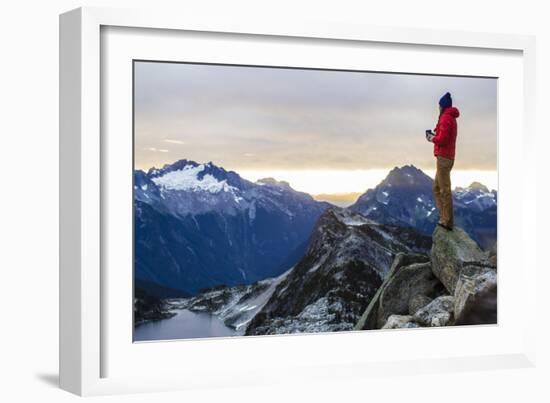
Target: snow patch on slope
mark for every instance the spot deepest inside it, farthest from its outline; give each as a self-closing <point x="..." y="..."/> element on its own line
<point x="350" y="218"/>
<point x="187" y="179"/>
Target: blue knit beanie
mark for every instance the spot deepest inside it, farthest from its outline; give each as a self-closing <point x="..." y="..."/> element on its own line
<point x="446" y="101"/>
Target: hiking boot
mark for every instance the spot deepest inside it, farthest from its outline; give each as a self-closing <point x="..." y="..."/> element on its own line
<point x="448" y="228"/>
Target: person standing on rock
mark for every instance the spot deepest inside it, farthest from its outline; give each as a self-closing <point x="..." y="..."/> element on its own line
<point x="444" y="140"/>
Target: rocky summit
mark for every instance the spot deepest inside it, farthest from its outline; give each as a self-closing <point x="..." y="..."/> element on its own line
<point x="347" y="260"/>
<point x="457" y="285"/>
<point x="451" y="250"/>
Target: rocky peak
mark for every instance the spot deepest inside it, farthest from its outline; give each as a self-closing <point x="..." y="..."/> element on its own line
<point x="337" y="224"/>
<point x="346" y="261"/>
<point x="407" y="175"/>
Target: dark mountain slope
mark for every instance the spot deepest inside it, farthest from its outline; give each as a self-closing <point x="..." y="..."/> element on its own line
<point x="198" y="226"/>
<point x="329" y="288"/>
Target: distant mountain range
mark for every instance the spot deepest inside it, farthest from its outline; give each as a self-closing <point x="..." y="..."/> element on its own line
<point x="405" y="198"/>
<point x="198" y="226"/>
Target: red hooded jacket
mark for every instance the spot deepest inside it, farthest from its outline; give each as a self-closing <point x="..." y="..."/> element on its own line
<point x="445" y="134"/>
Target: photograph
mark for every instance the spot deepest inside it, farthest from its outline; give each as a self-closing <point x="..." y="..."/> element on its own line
<point x="277" y="200"/>
<point x="212" y="201"/>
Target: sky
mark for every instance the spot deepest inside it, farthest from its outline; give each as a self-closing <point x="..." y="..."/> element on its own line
<point x="323" y="131"/>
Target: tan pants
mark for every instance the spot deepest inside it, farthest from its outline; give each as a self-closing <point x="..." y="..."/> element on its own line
<point x="442" y="191"/>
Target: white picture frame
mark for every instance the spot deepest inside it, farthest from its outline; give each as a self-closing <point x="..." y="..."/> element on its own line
<point x="85" y="344"/>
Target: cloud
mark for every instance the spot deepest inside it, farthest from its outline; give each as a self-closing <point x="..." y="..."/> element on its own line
<point x="305" y="119"/>
<point x="174" y="141"/>
<point x="157" y="150"/>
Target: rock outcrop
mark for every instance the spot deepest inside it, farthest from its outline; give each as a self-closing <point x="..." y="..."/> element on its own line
<point x="148" y="308"/>
<point x="450" y="251"/>
<point x="400" y="322"/>
<point x="378" y="311"/>
<point x="438" y="312"/>
<point x="417" y="302"/>
<point x="456" y="286"/>
<point x="476" y="296"/>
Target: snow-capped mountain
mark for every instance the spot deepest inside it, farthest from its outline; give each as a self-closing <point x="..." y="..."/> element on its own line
<point x="198" y="225"/>
<point x="187" y="187"/>
<point x="206" y="188"/>
<point x="405" y="198"/>
<point x="476" y="197"/>
<point x="347" y="259"/>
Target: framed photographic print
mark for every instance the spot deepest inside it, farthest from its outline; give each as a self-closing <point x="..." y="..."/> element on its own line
<point x="263" y="201"/>
<point x="237" y="197"/>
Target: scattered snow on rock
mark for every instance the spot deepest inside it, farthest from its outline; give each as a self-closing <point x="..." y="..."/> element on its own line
<point x="350" y="218"/>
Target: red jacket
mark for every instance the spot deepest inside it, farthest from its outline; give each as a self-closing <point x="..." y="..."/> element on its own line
<point x="445" y="134"/>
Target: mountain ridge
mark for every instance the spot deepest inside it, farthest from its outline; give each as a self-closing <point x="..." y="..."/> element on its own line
<point x="405" y="198"/>
<point x="191" y="216"/>
<point x="348" y="257"/>
<point x="198" y="225"/>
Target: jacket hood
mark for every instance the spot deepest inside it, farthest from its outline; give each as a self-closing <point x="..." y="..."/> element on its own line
<point x="454" y="112"/>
